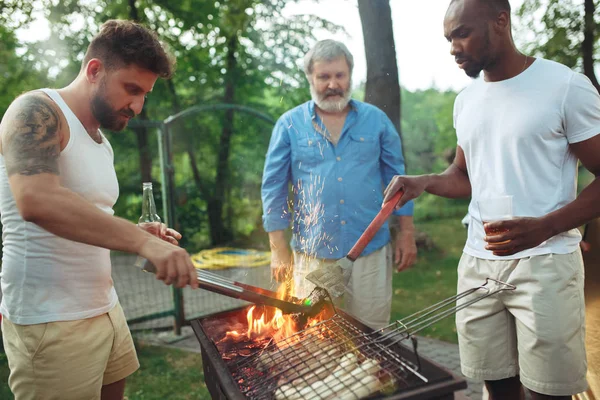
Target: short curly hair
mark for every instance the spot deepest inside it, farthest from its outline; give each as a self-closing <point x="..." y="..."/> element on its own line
<point x="122" y="43"/>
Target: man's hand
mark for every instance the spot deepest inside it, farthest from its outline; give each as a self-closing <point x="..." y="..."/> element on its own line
<point x="281" y="257"/>
<point x="173" y="264"/>
<point x="281" y="264"/>
<point x="515" y="235"/>
<point x="405" y="249"/>
<point x="161" y="231"/>
<point x="413" y="187"/>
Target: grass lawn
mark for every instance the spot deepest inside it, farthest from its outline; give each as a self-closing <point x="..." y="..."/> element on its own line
<point x="174" y="374"/>
<point x="167" y="374"/>
<point x="5" y="392"/>
<point x="433" y="277"/>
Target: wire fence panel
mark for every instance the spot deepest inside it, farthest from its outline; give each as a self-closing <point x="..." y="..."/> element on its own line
<point x="141" y="294"/>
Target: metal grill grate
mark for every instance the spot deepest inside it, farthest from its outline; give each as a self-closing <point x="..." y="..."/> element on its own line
<point x="332" y="359"/>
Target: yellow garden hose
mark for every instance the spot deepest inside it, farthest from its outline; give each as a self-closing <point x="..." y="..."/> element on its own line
<point x="228" y="257"/>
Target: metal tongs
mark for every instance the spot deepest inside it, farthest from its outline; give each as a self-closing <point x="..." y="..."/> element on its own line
<point x="237" y="290"/>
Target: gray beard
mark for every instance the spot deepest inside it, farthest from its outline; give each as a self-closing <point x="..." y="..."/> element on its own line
<point x="331" y="105"/>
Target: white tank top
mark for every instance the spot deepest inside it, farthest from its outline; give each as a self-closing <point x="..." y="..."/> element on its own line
<point x="47" y="278"/>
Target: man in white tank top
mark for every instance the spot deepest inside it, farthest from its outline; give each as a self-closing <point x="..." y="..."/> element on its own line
<point x="521" y="130"/>
<point x="64" y="331"/>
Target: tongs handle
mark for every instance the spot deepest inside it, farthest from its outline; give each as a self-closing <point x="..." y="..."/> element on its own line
<point x="374" y="226"/>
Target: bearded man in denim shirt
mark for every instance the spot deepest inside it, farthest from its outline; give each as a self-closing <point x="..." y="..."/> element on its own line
<point x="338" y="154"/>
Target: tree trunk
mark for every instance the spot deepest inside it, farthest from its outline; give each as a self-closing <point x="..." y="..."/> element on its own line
<point x="133" y="12"/>
<point x="587" y="45"/>
<point x="383" y="85"/>
<point x="222" y="233"/>
<point x="141" y="132"/>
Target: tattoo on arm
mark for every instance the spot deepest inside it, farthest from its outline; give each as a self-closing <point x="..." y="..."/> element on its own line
<point x="32" y="143"/>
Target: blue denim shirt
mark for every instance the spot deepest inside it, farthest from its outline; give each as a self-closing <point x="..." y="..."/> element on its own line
<point x="337" y="190"/>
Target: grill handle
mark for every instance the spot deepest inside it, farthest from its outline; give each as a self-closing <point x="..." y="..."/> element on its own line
<point x="374" y="226"/>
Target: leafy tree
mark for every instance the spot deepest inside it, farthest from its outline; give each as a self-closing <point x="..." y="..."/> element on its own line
<point x="17" y="69"/>
<point x="239" y="51"/>
<point x="566" y="32"/>
<point x="428" y="132"/>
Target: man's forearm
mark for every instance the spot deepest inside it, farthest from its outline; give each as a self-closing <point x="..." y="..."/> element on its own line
<point x="583" y="209"/>
<point x="452" y="183"/>
<point x="278" y="242"/>
<point x="281" y="256"/>
<point x="68" y="215"/>
<point x="402" y="223"/>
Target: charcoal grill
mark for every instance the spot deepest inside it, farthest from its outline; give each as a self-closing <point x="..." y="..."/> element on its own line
<point x="337" y="358"/>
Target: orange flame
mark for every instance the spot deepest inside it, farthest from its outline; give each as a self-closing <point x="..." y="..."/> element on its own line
<point x="279" y="326"/>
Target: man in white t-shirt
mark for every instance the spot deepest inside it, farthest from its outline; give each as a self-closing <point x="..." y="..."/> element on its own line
<point x="521" y="130"/>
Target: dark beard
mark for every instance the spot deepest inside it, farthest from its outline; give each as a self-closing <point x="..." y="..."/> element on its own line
<point x="475" y="70"/>
<point x="486" y="61"/>
<point x="108" y="117"/>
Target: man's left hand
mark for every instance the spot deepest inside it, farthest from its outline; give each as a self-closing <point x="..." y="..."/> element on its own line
<point x="162" y="231"/>
<point x="515" y="235"/>
<point x="405" y="250"/>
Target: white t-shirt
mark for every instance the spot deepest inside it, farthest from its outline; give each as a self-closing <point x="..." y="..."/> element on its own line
<point x="515" y="135"/>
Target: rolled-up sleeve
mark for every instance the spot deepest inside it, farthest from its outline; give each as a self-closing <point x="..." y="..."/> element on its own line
<point x="276" y="178"/>
<point x="392" y="160"/>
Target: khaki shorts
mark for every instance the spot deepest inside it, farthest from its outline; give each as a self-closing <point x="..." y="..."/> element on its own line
<point x="68" y="359"/>
<point x="536" y="331"/>
<point x="368" y="296"/>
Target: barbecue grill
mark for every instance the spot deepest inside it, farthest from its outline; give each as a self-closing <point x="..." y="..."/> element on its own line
<point x="337" y="357"/>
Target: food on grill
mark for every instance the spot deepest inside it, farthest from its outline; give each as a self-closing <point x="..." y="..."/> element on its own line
<point x="292" y="353"/>
<point x="367" y="386"/>
<point x="315" y="367"/>
<point x="357" y="383"/>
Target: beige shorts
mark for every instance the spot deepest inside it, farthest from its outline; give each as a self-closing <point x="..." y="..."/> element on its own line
<point x="368" y="296"/>
<point x="536" y="331"/>
<point x="68" y="359"/>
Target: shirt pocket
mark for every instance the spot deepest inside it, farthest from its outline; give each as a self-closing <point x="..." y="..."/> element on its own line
<point x="365" y="147"/>
<point x="310" y="153"/>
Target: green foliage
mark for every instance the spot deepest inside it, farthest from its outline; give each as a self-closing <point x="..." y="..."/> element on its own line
<point x="15" y="13"/>
<point x="552" y="29"/>
<point x="430" y="208"/>
<point x="427" y="129"/>
<point x="5" y="392"/>
<point x="17" y="69"/>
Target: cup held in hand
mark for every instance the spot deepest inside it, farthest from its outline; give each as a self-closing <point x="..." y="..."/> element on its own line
<point x="494" y="208"/>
